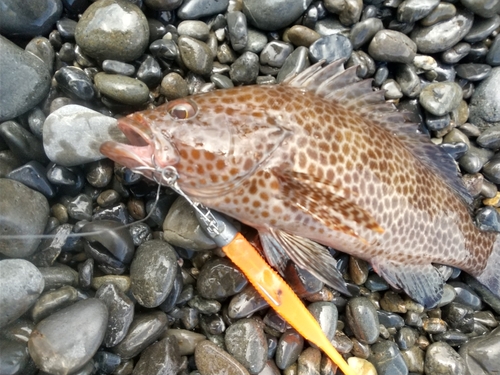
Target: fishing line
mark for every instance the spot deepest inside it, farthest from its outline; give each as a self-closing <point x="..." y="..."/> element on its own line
<point x="168" y="174"/>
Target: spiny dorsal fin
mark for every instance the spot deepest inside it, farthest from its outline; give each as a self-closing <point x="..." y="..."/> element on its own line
<point x="343" y="87"/>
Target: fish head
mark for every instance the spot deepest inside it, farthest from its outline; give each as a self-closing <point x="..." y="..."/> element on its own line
<point x="214" y="141"/>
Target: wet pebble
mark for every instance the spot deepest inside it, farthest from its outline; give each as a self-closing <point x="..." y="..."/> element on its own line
<point x="26" y="86"/>
<point x="473" y="72"/>
<point x="362" y="318"/>
<point x="30" y="19"/>
<point x="195" y="29"/>
<point x="275" y="53"/>
<point x="219" y="279"/>
<point x="29" y="220"/>
<point x="21" y="283"/>
<point x="441" y="358"/>
<point x="443" y="35"/>
<point x="440" y="98"/>
<point x="67" y="339"/>
<point x="493" y="56"/>
<point x="330" y="48"/>
<point x="33" y="175"/>
<point x="483" y="8"/>
<point x="238" y="31"/>
<point x="262" y="13"/>
<point x="301" y="36"/>
<point x="245" y="68"/>
<point x="327" y="315"/>
<point x="160" y="358"/>
<point x="387" y="359"/>
<point x="245" y="303"/>
<point x="490" y="138"/>
<point x="485" y="103"/>
<point x="364" y="31"/>
<point x="173" y="86"/>
<point x="480" y="354"/>
<point x="491" y="169"/>
<point x="392" y="46"/>
<point x="456" y="53"/>
<point x="196" y="55"/>
<point x="144" y="330"/>
<point x="22" y="143"/>
<point x="309" y="362"/>
<point x="74" y="82"/>
<point x="289" y="348"/>
<point x="212" y="360"/>
<point x="194" y="9"/>
<point x="101" y="37"/>
<point x="246" y="342"/>
<point x="149" y="71"/>
<point x="410" y="11"/>
<point x="122" y="89"/>
<point x="74" y="125"/>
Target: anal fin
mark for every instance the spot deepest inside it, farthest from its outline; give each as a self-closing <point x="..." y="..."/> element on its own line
<point x="422" y="282"/>
<point x="306" y="253"/>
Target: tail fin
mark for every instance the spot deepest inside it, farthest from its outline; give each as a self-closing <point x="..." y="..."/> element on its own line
<point x="490" y="277"/>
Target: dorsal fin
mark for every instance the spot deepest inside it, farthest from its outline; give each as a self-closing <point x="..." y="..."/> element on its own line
<point x="343" y="87"/>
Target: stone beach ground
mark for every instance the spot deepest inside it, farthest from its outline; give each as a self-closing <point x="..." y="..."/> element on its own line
<point x="156" y="297"/>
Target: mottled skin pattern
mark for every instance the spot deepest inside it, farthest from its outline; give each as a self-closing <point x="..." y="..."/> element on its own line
<point x="255" y="152"/>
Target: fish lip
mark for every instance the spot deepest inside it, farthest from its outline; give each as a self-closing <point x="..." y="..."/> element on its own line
<point x="138" y="154"/>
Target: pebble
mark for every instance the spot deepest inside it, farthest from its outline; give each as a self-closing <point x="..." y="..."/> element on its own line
<point x="362" y="317"/>
<point x="387" y="359"/>
<point x="364" y="31"/>
<point x="238" y="31"/>
<point x="29" y="19"/>
<point x="256" y="41"/>
<point x="493" y="56"/>
<point x="186" y="340"/>
<point x="483" y="8"/>
<point x="118" y="67"/>
<point x="194" y="9"/>
<point x="196" y="55"/>
<point x="149" y="71"/>
<point x="485" y="103"/>
<point x="73" y="125"/>
<point x="21" y="283"/>
<point x="67" y="339"/>
<point x="441" y="97"/>
<point x="53" y="301"/>
<point x="443" y="35"/>
<point x="29" y="220"/>
<point x="101" y="37"/>
<point x="33" y="175"/>
<point x="22" y="143"/>
<point x="41" y="47"/>
<point x="330" y="48"/>
<point x="491" y="169"/>
<point x="152" y="272"/>
<point x="262" y="13"/>
<point x="275" y="53"/>
<point x="441" y="358"/>
<point x="296" y="62"/>
<point x="160" y="358"/>
<point x="246" y="342"/>
<point x="29" y="78"/>
<point x="289" y="348"/>
<point x="456" y="53"/>
<point x="181" y="228"/>
<point x="392" y="46"/>
<point x="123" y="89"/>
<point x="195" y="29"/>
<point x="300" y="35"/>
<point x="490" y="138"/>
<point x="143" y="331"/>
<point x="327" y="315"/>
<point x="219" y="279"/>
<point x="444" y="11"/>
<point x="349" y="11"/>
<point x="212" y="360"/>
<point x="245" y="68"/>
<point x="245" y="303"/>
<point x="482" y="28"/>
<point x="410" y="11"/>
<point x="480" y="354"/>
<point x="473" y="72"/>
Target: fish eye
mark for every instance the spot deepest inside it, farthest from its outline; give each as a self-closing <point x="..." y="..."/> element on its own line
<point x="182" y="109"/>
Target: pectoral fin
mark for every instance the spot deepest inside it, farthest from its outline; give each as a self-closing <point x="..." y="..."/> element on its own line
<point x="326" y="203"/>
<point x="422" y="282"/>
<point x="305" y="253"/>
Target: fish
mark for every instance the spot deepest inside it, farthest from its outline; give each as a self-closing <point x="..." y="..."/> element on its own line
<point x="320" y="161"/>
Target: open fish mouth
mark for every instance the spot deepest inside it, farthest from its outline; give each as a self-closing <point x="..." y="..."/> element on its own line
<point x="139" y="153"/>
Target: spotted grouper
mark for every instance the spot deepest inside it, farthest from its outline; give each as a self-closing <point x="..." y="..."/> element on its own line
<point x="320" y="159"/>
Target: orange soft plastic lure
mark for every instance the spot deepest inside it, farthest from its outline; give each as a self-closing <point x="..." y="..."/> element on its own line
<point x="268" y="283"/>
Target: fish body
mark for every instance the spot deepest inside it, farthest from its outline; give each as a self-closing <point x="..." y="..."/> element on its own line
<point x="321" y="159"/>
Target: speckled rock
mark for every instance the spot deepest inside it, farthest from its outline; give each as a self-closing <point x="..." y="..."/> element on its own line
<point x="21" y="283"/>
<point x="73" y="134"/>
<point x="485" y="102"/>
<point x="15" y="221"/>
<point x="113" y="29"/>
<point x="212" y="360"/>
<point x="27" y="81"/>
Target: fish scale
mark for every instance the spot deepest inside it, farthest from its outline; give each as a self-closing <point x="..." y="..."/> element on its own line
<point x="321" y="158"/>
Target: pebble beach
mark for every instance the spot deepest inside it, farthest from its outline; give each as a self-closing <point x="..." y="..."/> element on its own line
<point x="146" y="291"/>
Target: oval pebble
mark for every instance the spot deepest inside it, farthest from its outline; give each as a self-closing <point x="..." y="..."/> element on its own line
<point x="72" y="135"/>
<point x="262" y="14"/>
<point x="441" y="97"/>
<point x="121" y="88"/>
<point x="219" y="278"/>
<point x="212" y="360"/>
<point x="67" y="339"/>
<point x="102" y="36"/>
<point x="362" y="318"/>
<point x="24" y="212"/>
<point x="21" y="283"/>
<point x="441" y="358"/>
<point x="392" y="46"/>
